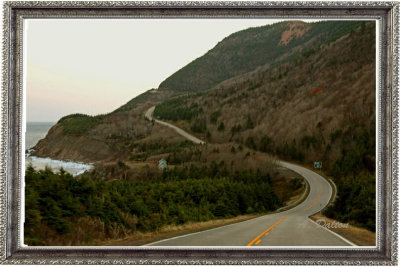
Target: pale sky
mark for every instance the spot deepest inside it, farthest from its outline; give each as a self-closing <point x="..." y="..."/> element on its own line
<point x="93" y="66"/>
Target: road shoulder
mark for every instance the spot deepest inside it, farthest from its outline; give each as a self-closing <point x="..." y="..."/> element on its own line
<point x="356" y="235"/>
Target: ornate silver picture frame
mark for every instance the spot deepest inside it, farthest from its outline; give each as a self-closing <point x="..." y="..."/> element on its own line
<point x="12" y="250"/>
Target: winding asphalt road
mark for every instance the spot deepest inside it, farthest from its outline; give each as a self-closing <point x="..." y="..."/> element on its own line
<point x="287" y="228"/>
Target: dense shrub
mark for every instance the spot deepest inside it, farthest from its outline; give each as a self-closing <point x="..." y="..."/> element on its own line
<point x="356" y="201"/>
<point x="354" y="174"/>
<point x="78" y="124"/>
<point x="176" y="109"/>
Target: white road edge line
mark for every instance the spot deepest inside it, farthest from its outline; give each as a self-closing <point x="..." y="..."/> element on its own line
<point x="195" y="233"/>
<point x="341" y="237"/>
<point x="325" y="180"/>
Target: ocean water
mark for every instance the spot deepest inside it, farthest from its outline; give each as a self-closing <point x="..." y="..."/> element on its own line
<point x="38" y="130"/>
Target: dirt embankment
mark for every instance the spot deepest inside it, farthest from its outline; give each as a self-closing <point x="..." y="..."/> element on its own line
<point x="296" y="30"/>
<point x="57" y="145"/>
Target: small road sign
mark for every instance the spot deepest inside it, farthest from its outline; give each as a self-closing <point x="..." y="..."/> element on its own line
<point x="318" y="164"/>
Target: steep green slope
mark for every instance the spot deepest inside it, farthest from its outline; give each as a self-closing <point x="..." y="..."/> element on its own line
<point x="246" y="50"/>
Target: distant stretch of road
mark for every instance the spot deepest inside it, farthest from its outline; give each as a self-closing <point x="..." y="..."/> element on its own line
<point x="287" y="228"/>
<point x="149" y="116"/>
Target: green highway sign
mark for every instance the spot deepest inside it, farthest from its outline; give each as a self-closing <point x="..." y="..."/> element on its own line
<point x="318" y="164"/>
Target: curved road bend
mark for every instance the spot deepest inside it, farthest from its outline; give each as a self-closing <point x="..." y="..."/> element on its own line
<point x="287" y="228"/>
<point x="149" y="116"/>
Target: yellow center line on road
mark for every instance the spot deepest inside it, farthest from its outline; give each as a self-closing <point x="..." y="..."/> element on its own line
<point x="266" y="232"/>
<point x="318" y="197"/>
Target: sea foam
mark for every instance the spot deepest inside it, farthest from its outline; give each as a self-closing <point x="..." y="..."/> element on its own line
<point x="75" y="168"/>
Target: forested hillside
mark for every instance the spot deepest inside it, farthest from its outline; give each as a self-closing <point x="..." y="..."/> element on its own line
<point x="317" y="103"/>
<point x="320" y="106"/>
